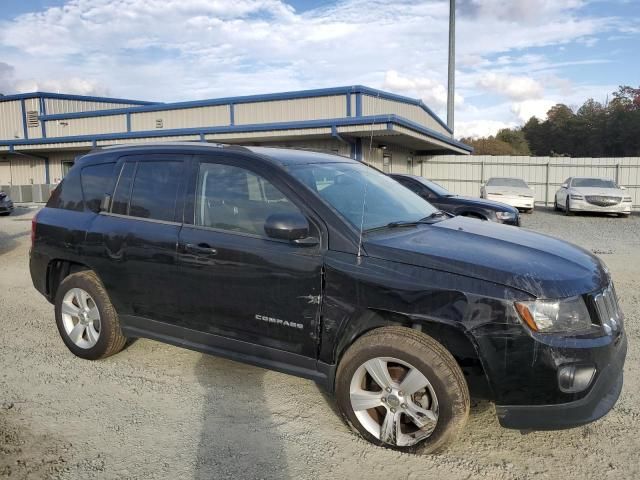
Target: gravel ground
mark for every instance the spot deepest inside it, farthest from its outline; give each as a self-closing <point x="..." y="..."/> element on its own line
<point x="157" y="411"/>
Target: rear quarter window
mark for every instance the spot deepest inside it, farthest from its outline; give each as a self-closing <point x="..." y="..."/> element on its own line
<point x="96" y="182"/>
<point x="68" y="194"/>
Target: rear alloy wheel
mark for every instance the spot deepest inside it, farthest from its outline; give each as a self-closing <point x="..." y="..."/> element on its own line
<point x="401" y="389"/>
<point x="86" y="320"/>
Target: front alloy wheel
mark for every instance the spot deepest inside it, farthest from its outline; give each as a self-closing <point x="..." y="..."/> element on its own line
<point x="394" y="401"/>
<point x="401" y="389"/>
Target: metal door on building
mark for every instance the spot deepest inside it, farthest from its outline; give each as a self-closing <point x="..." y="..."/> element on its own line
<point x="386" y="163"/>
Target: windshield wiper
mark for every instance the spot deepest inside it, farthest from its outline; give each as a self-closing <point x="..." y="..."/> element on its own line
<point x="402" y="223"/>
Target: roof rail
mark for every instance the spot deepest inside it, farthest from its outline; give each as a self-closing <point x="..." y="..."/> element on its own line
<point x="184" y="143"/>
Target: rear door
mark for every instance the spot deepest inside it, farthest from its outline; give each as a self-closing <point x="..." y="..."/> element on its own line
<point x="133" y="244"/>
<point x="236" y="281"/>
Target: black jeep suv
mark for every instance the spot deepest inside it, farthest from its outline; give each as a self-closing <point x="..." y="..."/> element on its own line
<point x="319" y="266"/>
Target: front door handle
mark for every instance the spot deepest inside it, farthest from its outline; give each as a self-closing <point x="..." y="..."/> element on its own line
<point x="201" y="249"/>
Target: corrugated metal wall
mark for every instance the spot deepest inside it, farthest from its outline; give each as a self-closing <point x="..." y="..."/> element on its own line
<point x="182" y="118"/>
<point x="465" y="175"/>
<point x="380" y="106"/>
<point x="11" y="120"/>
<point x="54" y="106"/>
<point x="86" y="126"/>
<point x="5" y="172"/>
<point x="334" y="106"/>
<point x="27" y="171"/>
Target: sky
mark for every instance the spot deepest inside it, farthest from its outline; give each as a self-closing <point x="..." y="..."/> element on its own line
<point x="514" y="58"/>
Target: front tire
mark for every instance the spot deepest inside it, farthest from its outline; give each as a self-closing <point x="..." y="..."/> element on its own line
<point x="567" y="208"/>
<point x="401" y="389"/>
<point x="556" y="207"/>
<point x="86" y="319"/>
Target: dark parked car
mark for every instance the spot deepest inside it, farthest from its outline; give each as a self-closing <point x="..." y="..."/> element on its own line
<point x="6" y="204"/>
<point x="442" y="198"/>
<point x="322" y="267"/>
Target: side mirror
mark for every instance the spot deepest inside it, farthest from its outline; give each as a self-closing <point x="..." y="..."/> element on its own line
<point x="564" y="185"/>
<point x="287" y="226"/>
<point x="622" y="188"/>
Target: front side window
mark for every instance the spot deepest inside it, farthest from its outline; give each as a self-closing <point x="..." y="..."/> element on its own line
<point x="236" y="199"/>
<point x="363" y="195"/>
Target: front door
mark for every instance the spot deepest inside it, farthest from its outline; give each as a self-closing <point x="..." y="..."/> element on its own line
<point x="236" y="281"/>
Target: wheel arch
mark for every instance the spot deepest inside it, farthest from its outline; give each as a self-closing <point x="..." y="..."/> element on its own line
<point x="450" y="335"/>
<point x="57" y="270"/>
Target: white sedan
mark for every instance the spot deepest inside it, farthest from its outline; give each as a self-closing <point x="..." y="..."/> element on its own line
<point x="512" y="191"/>
<point x="587" y="194"/>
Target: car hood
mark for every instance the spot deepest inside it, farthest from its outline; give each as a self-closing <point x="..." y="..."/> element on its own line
<point x="609" y="192"/>
<point x="542" y="266"/>
<point x="485" y="203"/>
<point x="510" y="190"/>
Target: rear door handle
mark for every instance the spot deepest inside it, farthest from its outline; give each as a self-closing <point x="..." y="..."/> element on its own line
<point x="201" y="249"/>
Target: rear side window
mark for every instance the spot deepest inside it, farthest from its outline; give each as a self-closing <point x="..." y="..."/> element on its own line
<point x="120" y="202"/>
<point x="155" y="189"/>
<point x="68" y="195"/>
<point x="96" y="181"/>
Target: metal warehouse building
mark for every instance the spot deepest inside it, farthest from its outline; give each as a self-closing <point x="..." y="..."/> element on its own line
<point x="42" y="133"/>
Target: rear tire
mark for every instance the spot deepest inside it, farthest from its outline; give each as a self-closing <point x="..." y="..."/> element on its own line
<point x="86" y="319"/>
<point x="427" y="416"/>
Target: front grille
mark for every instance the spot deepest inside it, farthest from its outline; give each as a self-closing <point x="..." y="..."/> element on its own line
<point x="607" y="308"/>
<point x="602" y="200"/>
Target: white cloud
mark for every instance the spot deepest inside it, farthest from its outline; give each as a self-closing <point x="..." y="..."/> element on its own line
<point x="532" y="108"/>
<point x="430" y="91"/>
<point x="514" y="87"/>
<point x="481" y="128"/>
<point x="186" y="49"/>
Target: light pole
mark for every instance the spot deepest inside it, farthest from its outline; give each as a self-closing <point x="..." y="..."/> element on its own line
<point x="451" y="87"/>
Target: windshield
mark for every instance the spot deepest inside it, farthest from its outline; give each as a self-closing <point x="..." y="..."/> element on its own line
<point x="343" y="187"/>
<point x="593" y="182"/>
<point x="435" y="188"/>
<point x="507" y="182"/>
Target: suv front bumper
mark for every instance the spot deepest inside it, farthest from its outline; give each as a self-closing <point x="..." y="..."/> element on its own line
<point x="595" y="404"/>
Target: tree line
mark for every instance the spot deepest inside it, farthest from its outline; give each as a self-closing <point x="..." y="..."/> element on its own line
<point x="611" y="129"/>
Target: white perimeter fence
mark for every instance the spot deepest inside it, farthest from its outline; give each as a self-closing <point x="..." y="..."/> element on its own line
<point x="465" y="175"/>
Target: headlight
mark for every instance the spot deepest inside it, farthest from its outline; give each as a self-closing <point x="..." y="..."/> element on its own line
<point x="505" y="215"/>
<point x="569" y="315"/>
<point x="576" y="197"/>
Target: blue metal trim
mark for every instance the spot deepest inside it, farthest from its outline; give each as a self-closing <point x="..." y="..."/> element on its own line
<point x="128" y="121"/>
<point x="359" y="149"/>
<point x="368" y="120"/>
<point x="43" y="111"/>
<point x="46" y="170"/>
<point x="389" y="126"/>
<point x="358" y="90"/>
<point x="24" y="120"/>
<point x="348" y="104"/>
<point x="142" y="106"/>
<point x="358" y="104"/>
<point x="232" y="114"/>
<point x="66" y="96"/>
<point x="202" y="139"/>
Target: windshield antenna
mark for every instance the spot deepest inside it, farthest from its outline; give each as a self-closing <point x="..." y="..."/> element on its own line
<point x="364" y="196"/>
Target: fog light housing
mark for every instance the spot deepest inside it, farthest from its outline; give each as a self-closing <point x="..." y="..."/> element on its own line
<point x="575" y="378"/>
